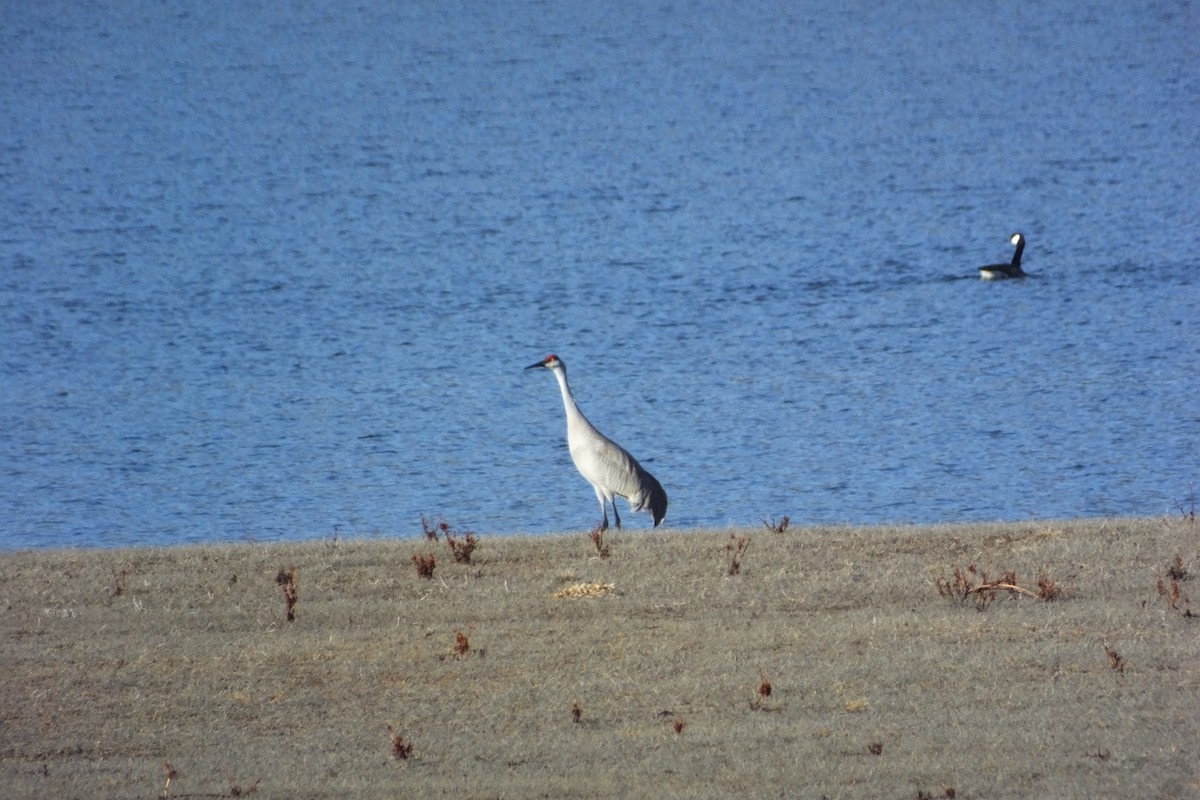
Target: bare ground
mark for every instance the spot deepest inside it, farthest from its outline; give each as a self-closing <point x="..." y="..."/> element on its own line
<point x="837" y="662"/>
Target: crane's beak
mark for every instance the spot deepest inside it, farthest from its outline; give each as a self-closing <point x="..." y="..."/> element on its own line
<point x="538" y="364"/>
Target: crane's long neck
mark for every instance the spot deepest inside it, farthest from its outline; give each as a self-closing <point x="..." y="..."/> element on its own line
<point x="574" y="415"/>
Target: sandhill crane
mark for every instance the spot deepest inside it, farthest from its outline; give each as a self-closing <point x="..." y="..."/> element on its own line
<point x="610" y="470"/>
<point x="1010" y="270"/>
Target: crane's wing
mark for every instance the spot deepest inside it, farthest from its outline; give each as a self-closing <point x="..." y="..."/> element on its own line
<point x="609" y="466"/>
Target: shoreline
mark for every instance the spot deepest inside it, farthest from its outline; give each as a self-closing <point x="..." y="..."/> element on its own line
<point x="836" y="661"/>
<point x="638" y="528"/>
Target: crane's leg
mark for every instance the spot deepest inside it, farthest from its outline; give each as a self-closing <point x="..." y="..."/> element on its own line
<point x="604" y="509"/>
<point x="615" y="514"/>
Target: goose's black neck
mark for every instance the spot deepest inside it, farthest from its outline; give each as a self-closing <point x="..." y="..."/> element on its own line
<point x="1016" y="259"/>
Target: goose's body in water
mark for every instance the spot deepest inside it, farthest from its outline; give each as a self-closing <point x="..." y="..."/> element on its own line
<point x="1010" y="270"/>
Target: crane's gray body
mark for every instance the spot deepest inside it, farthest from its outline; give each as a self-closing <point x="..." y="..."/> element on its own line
<point x="607" y="466"/>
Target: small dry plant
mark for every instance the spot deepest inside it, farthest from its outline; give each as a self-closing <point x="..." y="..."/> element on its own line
<point x="1170" y="591"/>
<point x="960" y="585"/>
<point x="763" y="693"/>
<point x="1176" y="570"/>
<point x="1049" y="590"/>
<point x="947" y="792"/>
<point x="1187" y="508"/>
<point x="431" y="531"/>
<point x="461" y="548"/>
<point x="291" y="593"/>
<point x="973" y="583"/>
<point x="678" y="725"/>
<point x="462" y="645"/>
<point x="425" y="565"/>
<point x="1176" y="600"/>
<point x="335" y="538"/>
<point x="401" y="750"/>
<point x="736" y="548"/>
<point x="237" y="790"/>
<point x="576" y="712"/>
<point x="596" y="535"/>
<point x="171" y="774"/>
<point x="1115" y="662"/>
<point x="777" y="527"/>
<point x="461" y="544"/>
<point x="119" y="582"/>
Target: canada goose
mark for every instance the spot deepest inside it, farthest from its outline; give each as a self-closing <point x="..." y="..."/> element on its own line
<point x="1010" y="270"/>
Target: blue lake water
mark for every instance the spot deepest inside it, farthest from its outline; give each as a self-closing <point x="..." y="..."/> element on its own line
<point x="274" y="270"/>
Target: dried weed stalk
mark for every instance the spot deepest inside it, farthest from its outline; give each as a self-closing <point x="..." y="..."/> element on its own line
<point x="959" y="587"/>
<point x="777" y="527"/>
<point x="737" y="549"/>
<point x="425" y="565"/>
<point x="431" y="531"/>
<point x="462" y="645"/>
<point x="236" y="790"/>
<point x="947" y="791"/>
<point x="1188" y="511"/>
<point x="1115" y="662"/>
<point x="763" y="692"/>
<point x="119" y="582"/>
<point x="172" y="774"/>
<point x="461" y="545"/>
<point x="576" y="712"/>
<point x="1176" y="600"/>
<point x="401" y="749"/>
<point x="461" y="549"/>
<point x="1049" y="590"/>
<point x="678" y="725"/>
<point x="291" y="593"/>
<point x="973" y="583"/>
<point x="596" y="535"/>
<point x="1176" y="571"/>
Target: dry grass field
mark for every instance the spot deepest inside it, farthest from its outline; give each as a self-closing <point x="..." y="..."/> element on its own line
<point x="1040" y="659"/>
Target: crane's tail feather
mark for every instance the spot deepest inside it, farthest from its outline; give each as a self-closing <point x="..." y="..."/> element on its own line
<point x="653" y="497"/>
<point x="658" y="503"/>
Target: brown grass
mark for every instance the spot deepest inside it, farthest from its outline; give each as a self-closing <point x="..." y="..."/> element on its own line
<point x="878" y="687"/>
